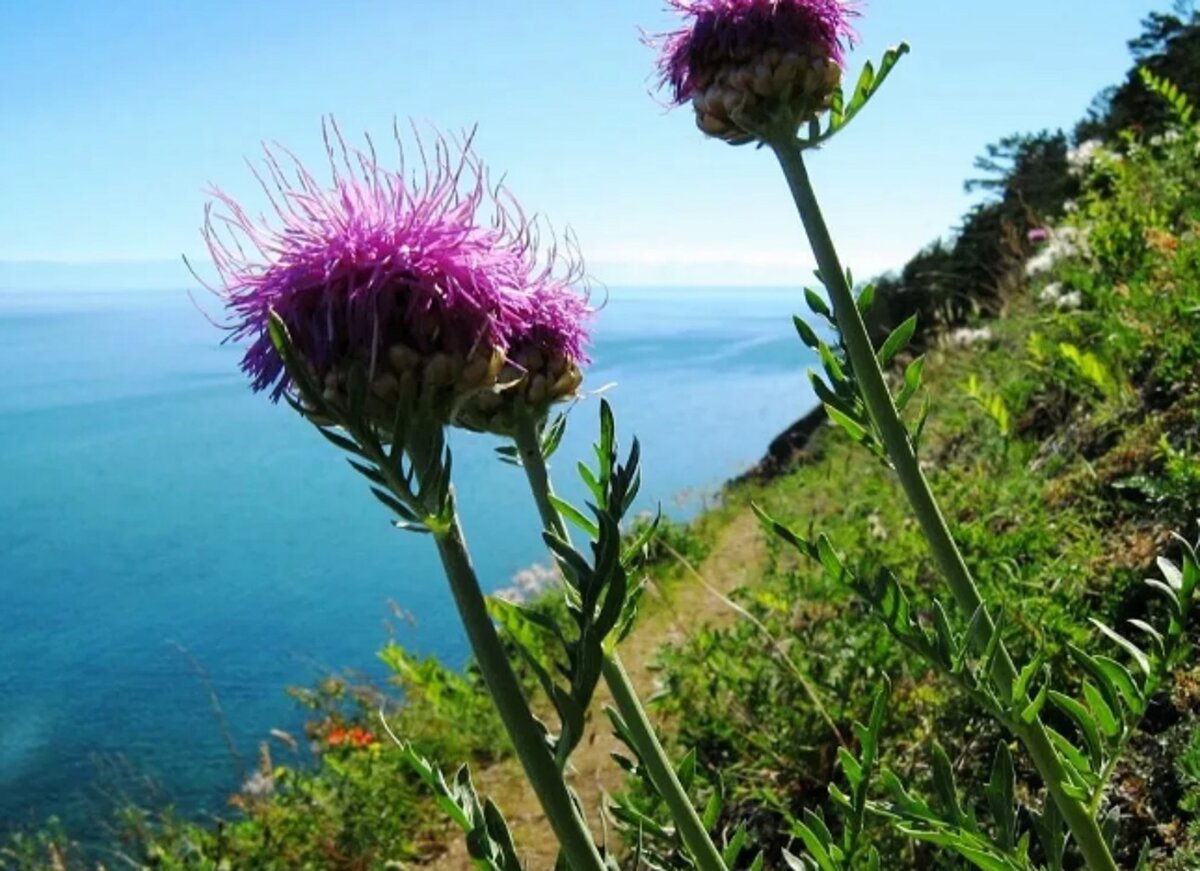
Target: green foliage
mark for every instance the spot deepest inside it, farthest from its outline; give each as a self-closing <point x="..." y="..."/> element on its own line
<point x="1061" y="466"/>
<point x="601" y="597"/>
<point x="1168" y="47"/>
<point x="846" y="106"/>
<point x="992" y="403"/>
<point x="1088" y="458"/>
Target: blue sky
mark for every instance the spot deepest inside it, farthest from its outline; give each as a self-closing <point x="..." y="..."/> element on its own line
<point x="115" y="115"/>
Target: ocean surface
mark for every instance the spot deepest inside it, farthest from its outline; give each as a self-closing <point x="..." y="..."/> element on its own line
<point x="164" y="532"/>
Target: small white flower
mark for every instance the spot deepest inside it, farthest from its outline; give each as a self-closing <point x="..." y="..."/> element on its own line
<point x="1170" y="137"/>
<point x="1080" y="160"/>
<point x="1064" y="243"/>
<point x="965" y="337"/>
<point x="258" y="785"/>
<point x="528" y="584"/>
<point x="1071" y="300"/>
<point x="1058" y="296"/>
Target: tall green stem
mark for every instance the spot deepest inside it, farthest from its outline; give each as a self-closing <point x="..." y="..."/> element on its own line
<point x="649" y="748"/>
<point x="527" y="738"/>
<point x="896" y="441"/>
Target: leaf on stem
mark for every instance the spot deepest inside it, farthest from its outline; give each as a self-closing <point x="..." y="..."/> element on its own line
<point x="897" y="342"/>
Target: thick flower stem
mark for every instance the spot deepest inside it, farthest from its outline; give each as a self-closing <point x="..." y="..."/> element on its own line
<point x="658" y="765"/>
<point x="527" y="738"/>
<point x="560" y="807"/>
<point x="896" y="441"/>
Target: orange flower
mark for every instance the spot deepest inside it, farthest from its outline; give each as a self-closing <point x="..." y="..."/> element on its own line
<point x="360" y="737"/>
<point x="337" y="736"/>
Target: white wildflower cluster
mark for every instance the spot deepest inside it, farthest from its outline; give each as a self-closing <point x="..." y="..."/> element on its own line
<point x="1081" y="158"/>
<point x="1063" y="243"/>
<point x="968" y="337"/>
<point x="1062" y="298"/>
<point x="258" y="785"/>
<point x="529" y="583"/>
<point x="1170" y="137"/>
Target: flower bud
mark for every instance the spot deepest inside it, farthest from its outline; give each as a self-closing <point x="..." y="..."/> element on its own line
<point x="756" y="69"/>
<point x="403" y="358"/>
<point x="386" y="386"/>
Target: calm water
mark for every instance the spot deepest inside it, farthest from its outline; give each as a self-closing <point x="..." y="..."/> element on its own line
<point x="149" y="502"/>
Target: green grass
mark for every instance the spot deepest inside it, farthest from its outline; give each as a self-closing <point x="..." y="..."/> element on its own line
<point x="1064" y="452"/>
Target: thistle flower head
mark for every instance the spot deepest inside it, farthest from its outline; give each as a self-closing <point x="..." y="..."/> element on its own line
<point x="426" y="282"/>
<point x="753" y="67"/>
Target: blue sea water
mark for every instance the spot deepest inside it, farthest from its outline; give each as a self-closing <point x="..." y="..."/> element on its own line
<point x="156" y="518"/>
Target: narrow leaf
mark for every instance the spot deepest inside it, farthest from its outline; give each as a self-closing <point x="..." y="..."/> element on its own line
<point x="1132" y="649"/>
<point x="817" y="304"/>
<point x="574" y="515"/>
<point x="866" y="299"/>
<point x="897" y="341"/>
<point x="1001" y="789"/>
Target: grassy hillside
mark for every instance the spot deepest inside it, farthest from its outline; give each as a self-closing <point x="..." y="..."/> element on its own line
<point x="1064" y="442"/>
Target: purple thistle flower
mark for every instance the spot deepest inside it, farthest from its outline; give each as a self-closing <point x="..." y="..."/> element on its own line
<point x="382" y="268"/>
<point x="749" y="65"/>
